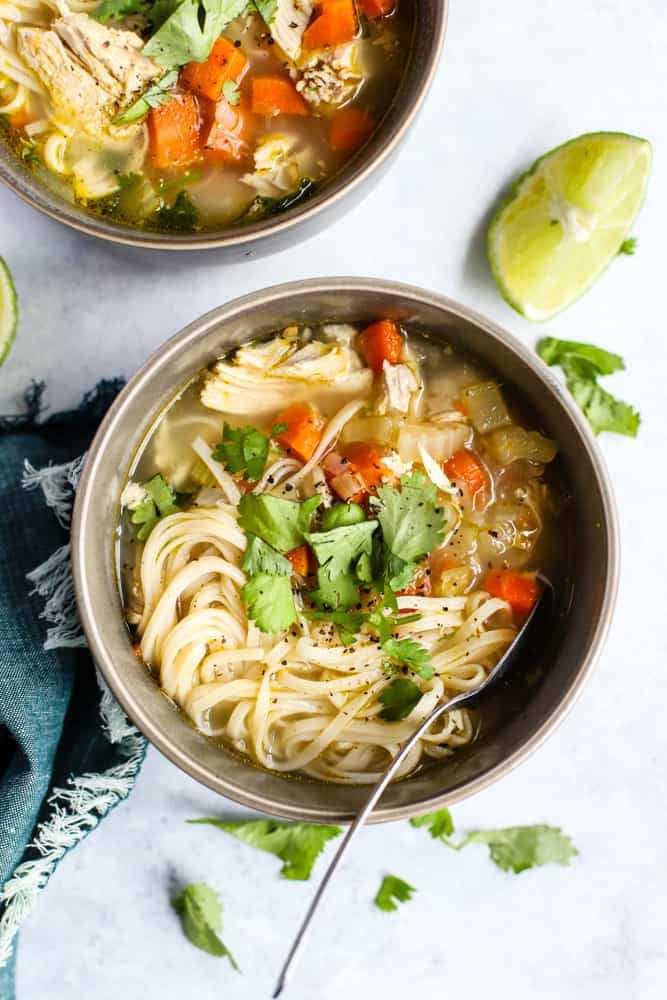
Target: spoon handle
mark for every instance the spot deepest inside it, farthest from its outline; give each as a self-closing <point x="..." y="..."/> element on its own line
<point x="370" y="804"/>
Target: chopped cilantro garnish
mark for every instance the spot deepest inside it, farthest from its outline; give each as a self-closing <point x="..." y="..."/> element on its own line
<point x="262" y="207"/>
<point x="412" y="654"/>
<point x="231" y="92"/>
<point x="110" y="10"/>
<point x="582" y="364"/>
<point x="182" y="216"/>
<point x="159" y="502"/>
<point x="341" y="564"/>
<point x="190" y="31"/>
<point x="158" y="93"/>
<point x="200" y="911"/>
<point x="281" y="523"/>
<point x="296" y="844"/>
<point x="261" y="558"/>
<point x="243" y="449"/>
<point x="391" y="891"/>
<point x="399" y="699"/>
<point x="412" y="525"/>
<point x="270" y="602"/>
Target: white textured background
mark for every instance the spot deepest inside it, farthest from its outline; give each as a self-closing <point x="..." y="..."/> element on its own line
<point x="516" y="80"/>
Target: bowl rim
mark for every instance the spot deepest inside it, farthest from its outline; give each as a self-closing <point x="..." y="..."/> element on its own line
<point x="361" y="167"/>
<point x="82" y="523"/>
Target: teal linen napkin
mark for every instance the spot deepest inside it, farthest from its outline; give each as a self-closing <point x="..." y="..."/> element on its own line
<point x="67" y="753"/>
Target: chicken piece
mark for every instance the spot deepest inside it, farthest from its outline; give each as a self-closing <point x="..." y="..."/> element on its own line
<point x="277" y="170"/>
<point x="331" y="76"/>
<point x="400" y="383"/>
<point x="90" y="72"/>
<point x="288" y="24"/>
<point x="112" y="57"/>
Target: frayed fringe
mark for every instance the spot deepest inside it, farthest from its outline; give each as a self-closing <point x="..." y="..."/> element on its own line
<point x="77" y="810"/>
<point x="52" y="580"/>
<point x="58" y="483"/>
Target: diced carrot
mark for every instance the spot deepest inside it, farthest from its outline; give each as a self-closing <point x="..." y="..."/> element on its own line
<point x="466" y="468"/>
<point x="20" y="119"/>
<point x="226" y="130"/>
<point x="304" y="429"/>
<point x="337" y="23"/>
<point x="380" y="342"/>
<point x="173" y="129"/>
<point x="366" y="461"/>
<point x="275" y="95"/>
<point x="376" y="8"/>
<point x="225" y="62"/>
<point x="300" y="559"/>
<point x="520" y="590"/>
<point x="349" y="129"/>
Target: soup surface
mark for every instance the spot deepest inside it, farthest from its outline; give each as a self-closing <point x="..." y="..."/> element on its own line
<point x="193" y="115"/>
<point x="326" y="534"/>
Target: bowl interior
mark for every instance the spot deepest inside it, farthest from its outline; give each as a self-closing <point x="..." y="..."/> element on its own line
<point x="540" y="689"/>
<point x="427" y="36"/>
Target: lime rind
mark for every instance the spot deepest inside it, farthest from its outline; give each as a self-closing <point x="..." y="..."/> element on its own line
<point x="519" y="191"/>
<point x="9" y="312"/>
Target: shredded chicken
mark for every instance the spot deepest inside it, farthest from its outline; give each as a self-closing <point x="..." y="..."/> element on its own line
<point x="91" y="72"/>
<point x="330" y="76"/>
<point x="277" y="170"/>
<point x="400" y="383"/>
<point x="133" y="495"/>
<point x="288" y="24"/>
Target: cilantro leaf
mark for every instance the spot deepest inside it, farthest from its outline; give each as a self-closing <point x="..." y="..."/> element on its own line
<point x="518" y="848"/>
<point x="338" y="554"/>
<point x="231" y="92"/>
<point x="182" y="216"/>
<point x="412" y="524"/>
<point x="581" y="365"/>
<point x="412" y="654"/>
<point x="113" y="10"/>
<point x="281" y="523"/>
<point x="160" y="501"/>
<point x="270" y="602"/>
<point x="261" y="558"/>
<point x="262" y="206"/>
<point x="267" y="9"/>
<point x="296" y="844"/>
<point x="200" y="911"/>
<point x="391" y="889"/>
<point x="628" y="246"/>
<point x="439" y="824"/>
<point x="158" y="93"/>
<point x="243" y="449"/>
<point x="189" y="33"/>
<point x="399" y="699"/>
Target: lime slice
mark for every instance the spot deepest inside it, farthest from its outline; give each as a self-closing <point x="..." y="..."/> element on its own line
<point x="566" y="220"/>
<point x="9" y="311"/>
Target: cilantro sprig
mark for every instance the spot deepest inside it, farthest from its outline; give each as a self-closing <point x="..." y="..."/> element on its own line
<point x="399" y="699"/>
<point x="582" y="365"/>
<point x="343" y="555"/>
<point x="160" y="500"/>
<point x="157" y="94"/>
<point x="281" y="523"/>
<point x="393" y="890"/>
<point x="412" y="525"/>
<point x="200" y="911"/>
<point x="191" y="29"/>
<point x="243" y="449"/>
<point x="298" y="845"/>
<point x="512" y="848"/>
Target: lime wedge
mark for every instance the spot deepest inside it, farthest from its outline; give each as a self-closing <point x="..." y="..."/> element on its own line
<point x="566" y="220"/>
<point x="9" y="311"/>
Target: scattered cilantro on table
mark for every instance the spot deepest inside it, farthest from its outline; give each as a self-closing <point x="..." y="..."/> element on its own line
<point x="513" y="848"/>
<point x="582" y="364"/>
<point x="629" y="246"/>
<point x="393" y="890"/>
<point x="200" y="911"/>
<point x="296" y="844"/>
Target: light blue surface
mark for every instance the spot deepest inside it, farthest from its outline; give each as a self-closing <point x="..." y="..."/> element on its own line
<point x="516" y="80"/>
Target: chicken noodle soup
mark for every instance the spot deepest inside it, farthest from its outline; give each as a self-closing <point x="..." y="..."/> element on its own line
<point x="329" y="532"/>
<point x="211" y="116"/>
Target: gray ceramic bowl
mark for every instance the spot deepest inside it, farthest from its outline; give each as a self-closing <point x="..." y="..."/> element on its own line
<point x="540" y="691"/>
<point x="343" y="191"/>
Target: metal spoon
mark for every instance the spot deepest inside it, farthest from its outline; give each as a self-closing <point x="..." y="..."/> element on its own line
<point x="467" y="699"/>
